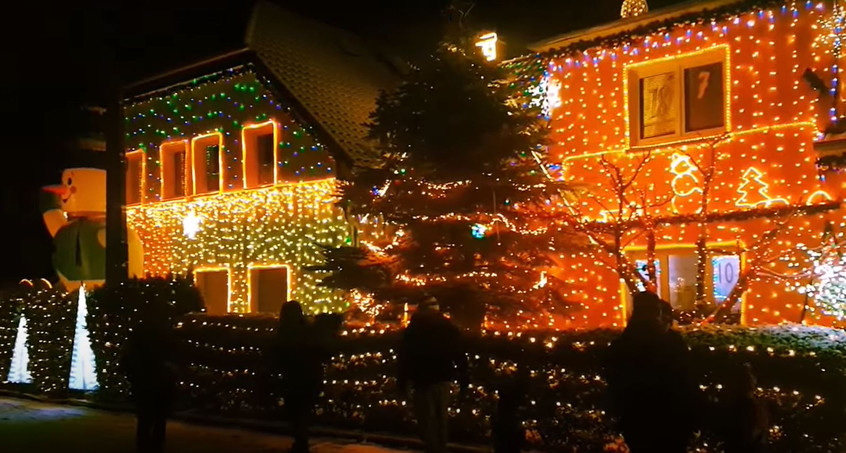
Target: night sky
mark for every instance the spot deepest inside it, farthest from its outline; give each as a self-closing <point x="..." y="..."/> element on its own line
<point x="61" y="55"/>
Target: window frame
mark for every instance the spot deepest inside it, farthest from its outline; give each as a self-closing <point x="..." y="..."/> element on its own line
<point x="164" y="152"/>
<point x="662" y="255"/>
<point x="249" y="153"/>
<point x="209" y="269"/>
<point x="676" y="64"/>
<point x="142" y="157"/>
<point x="204" y="138"/>
<point x="256" y="266"/>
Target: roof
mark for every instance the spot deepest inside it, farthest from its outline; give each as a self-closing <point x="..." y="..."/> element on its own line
<point x="330" y="76"/>
<point x="652" y="19"/>
<point x="330" y="72"/>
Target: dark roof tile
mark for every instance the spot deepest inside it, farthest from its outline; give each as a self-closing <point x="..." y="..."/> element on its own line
<point x="332" y="73"/>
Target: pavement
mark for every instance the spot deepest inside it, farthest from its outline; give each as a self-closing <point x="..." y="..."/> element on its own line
<point x="28" y="426"/>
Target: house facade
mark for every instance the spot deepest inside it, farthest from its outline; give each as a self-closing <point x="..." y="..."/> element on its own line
<point x="700" y="134"/>
<point x="232" y="164"/>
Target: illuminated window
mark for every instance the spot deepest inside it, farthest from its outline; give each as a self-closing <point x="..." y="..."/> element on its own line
<point x="269" y="288"/>
<point x="679" y="98"/>
<point x="134" y="176"/>
<point x="259" y="148"/>
<point x="174" y="168"/>
<point x="213" y="284"/>
<point x="206" y="163"/>
<point x="676" y="273"/>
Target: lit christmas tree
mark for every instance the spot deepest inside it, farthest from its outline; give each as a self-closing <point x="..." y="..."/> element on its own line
<point x="633" y="8"/>
<point x="459" y="156"/>
<point x="19" y="370"/>
<point x="82" y="375"/>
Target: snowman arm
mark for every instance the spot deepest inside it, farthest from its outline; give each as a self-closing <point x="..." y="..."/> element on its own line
<point x="54" y="220"/>
<point x="101" y="237"/>
<point x="50" y="204"/>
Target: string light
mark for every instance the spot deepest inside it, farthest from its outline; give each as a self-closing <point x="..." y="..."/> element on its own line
<point x="217" y="225"/>
<point x="765" y="164"/>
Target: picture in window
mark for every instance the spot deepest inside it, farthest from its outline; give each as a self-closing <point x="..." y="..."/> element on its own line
<point x="704" y="101"/>
<point x="643" y="270"/>
<point x="726" y="269"/>
<point x="658" y="105"/>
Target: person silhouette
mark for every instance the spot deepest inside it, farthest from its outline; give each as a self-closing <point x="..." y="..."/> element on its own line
<point x="150" y="364"/>
<point x="744" y="418"/>
<point x="299" y="356"/>
<point x="430" y="353"/>
<point x="647" y="369"/>
<point x="507" y="430"/>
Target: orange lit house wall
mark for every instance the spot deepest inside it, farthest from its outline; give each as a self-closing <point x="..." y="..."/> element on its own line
<point x="765" y="152"/>
<point x="231" y="224"/>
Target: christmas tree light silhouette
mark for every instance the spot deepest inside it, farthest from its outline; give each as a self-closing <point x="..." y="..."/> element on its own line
<point x="754" y="190"/>
<point x="83" y="374"/>
<point x="19" y="369"/>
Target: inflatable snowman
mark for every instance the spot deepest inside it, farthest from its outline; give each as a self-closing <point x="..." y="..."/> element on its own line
<point x="75" y="215"/>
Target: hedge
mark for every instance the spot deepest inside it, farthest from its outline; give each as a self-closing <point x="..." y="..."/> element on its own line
<point x="801" y="370"/>
<point x="800" y="373"/>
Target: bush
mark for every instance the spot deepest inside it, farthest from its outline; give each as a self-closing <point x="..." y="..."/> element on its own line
<point x="800" y="372"/>
<point x="11" y="307"/>
<point x="51" y="317"/>
<point x="113" y="310"/>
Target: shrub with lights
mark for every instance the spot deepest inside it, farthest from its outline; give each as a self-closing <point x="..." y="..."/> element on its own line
<point x="800" y="373"/>
<point x="113" y="310"/>
<point x="11" y="308"/>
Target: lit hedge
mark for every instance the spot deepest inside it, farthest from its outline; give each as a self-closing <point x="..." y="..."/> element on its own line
<point x="800" y="372"/>
<point x="11" y="306"/>
<point x="113" y="310"/>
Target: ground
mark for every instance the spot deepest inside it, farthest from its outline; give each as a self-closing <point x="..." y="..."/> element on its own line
<point x="28" y="426"/>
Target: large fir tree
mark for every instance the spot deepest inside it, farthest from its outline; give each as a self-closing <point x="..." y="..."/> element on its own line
<point x="461" y="157"/>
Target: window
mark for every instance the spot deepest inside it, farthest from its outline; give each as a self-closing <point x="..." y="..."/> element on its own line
<point x="134" y="176"/>
<point x="174" y="168"/>
<point x="213" y="284"/>
<point x="679" y="97"/>
<point x="259" y="148"/>
<point x="269" y="288"/>
<point x="207" y="164"/>
<point x="676" y="274"/>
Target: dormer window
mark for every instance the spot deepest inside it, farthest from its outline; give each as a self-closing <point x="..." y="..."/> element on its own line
<point x="207" y="163"/>
<point x="174" y="169"/>
<point x="680" y="98"/>
<point x="259" y="142"/>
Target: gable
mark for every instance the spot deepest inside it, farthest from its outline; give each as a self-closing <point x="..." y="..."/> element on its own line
<point x="223" y="102"/>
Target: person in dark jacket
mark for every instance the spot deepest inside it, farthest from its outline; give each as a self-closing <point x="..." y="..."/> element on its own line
<point x="509" y="436"/>
<point x="648" y="373"/>
<point x="150" y="363"/>
<point x="745" y="421"/>
<point x="430" y="357"/>
<point x="300" y="357"/>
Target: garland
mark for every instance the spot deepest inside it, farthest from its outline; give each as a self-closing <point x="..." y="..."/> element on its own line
<point x="691" y="18"/>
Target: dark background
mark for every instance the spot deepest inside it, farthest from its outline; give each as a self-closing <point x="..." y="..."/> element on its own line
<point x="59" y="56"/>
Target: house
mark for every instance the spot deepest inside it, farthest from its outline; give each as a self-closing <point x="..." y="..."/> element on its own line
<point x="704" y="138"/>
<point x="232" y="163"/>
